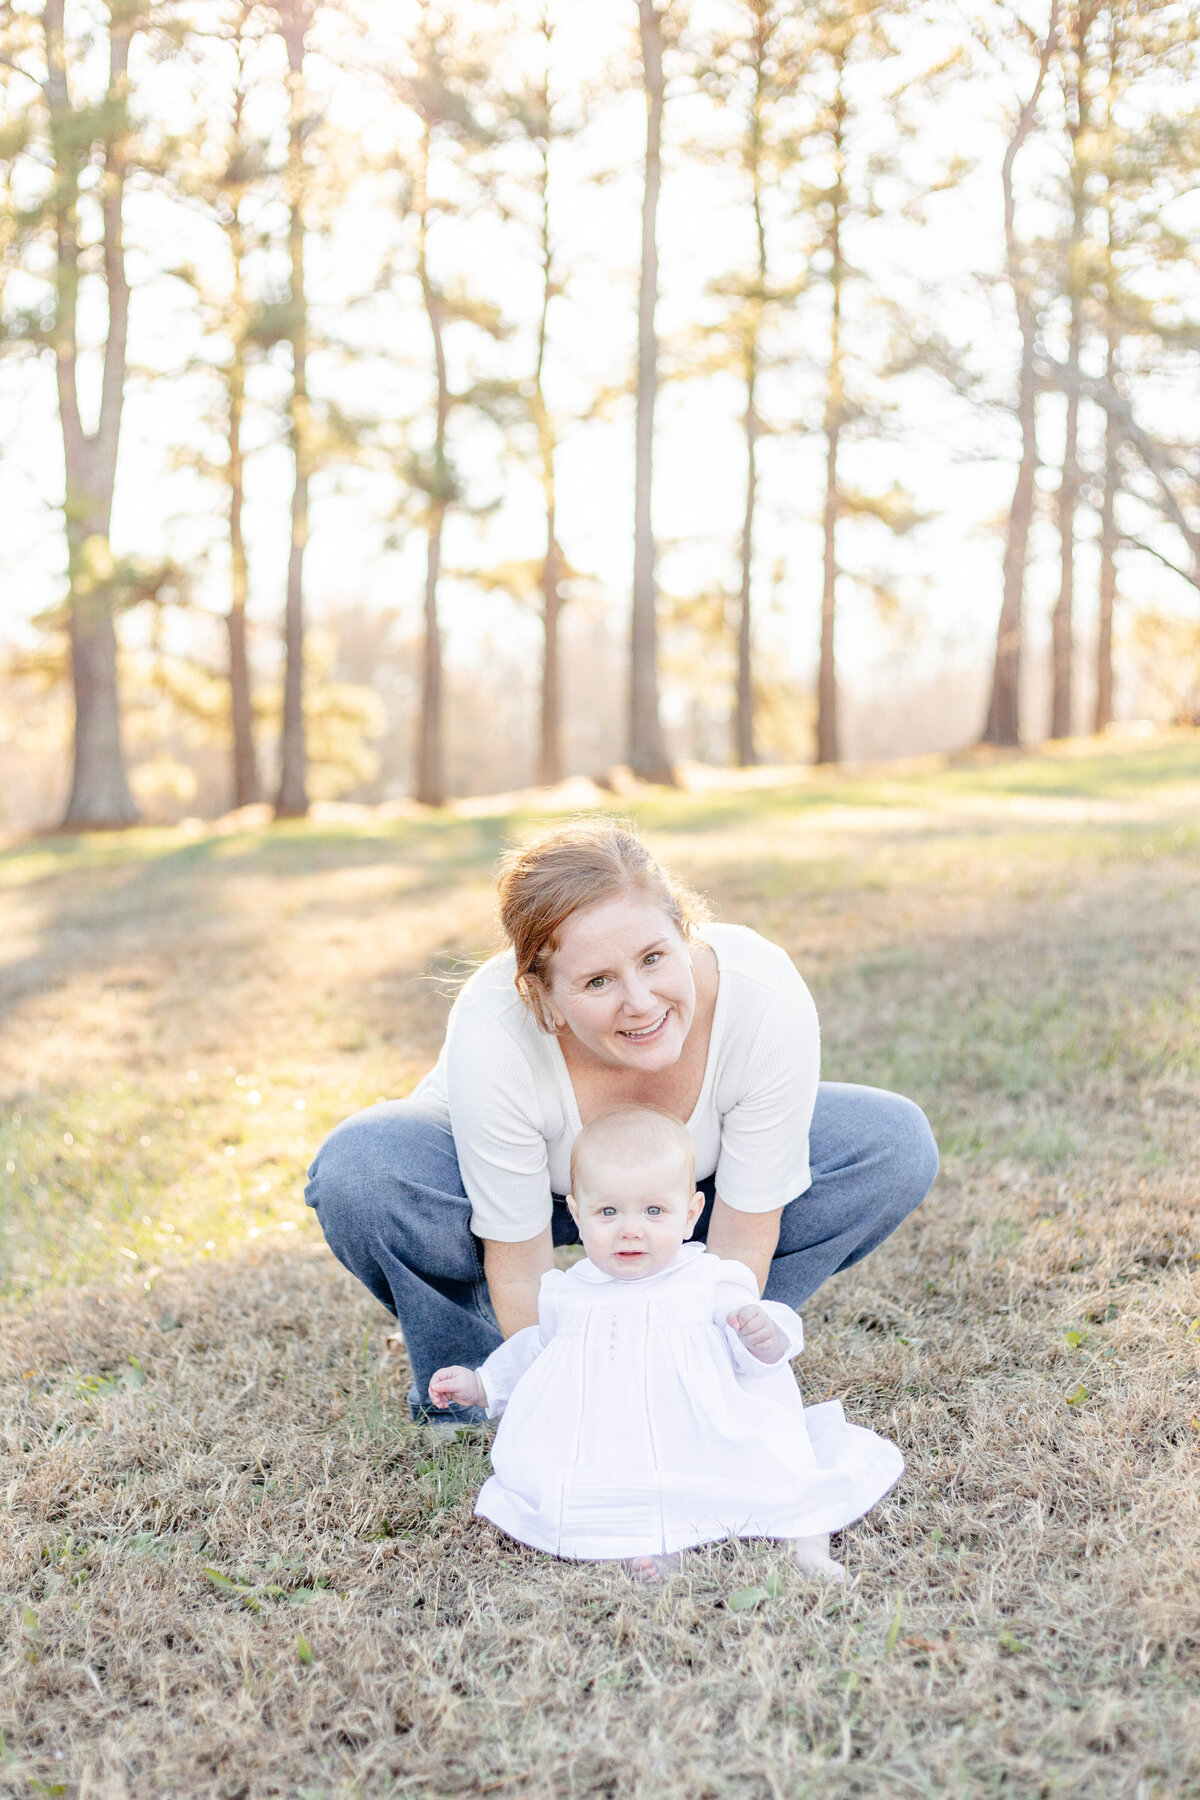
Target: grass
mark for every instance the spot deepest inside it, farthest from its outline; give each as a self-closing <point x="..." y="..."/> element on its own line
<point x="230" y="1568"/>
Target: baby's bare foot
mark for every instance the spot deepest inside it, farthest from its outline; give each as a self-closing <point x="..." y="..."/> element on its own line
<point x="812" y="1555"/>
<point x="653" y="1568"/>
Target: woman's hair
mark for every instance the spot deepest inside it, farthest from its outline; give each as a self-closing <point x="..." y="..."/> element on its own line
<point x="574" y="866"/>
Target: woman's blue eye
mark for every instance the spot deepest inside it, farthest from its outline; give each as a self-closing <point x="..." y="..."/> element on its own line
<point x="654" y="956"/>
<point x="596" y="981"/>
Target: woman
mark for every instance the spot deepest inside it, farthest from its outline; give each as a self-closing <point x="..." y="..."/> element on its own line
<point x="614" y="990"/>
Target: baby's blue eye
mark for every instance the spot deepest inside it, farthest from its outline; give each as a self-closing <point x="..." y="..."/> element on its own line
<point x="608" y="1212"/>
<point x="654" y="1211"/>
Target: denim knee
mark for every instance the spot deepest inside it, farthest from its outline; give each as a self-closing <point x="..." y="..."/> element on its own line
<point x="911" y="1152"/>
<point x="374" y="1164"/>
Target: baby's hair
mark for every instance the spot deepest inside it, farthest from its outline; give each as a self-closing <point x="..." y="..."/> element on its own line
<point x="633" y="1134"/>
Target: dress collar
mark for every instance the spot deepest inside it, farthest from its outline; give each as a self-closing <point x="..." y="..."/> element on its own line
<point x="587" y="1270"/>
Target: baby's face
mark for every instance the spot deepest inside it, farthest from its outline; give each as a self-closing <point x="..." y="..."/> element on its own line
<point x="633" y="1220"/>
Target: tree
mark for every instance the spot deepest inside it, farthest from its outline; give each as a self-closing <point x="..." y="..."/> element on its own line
<point x="1076" y="53"/>
<point x="228" y="171"/>
<point x="855" y="139"/>
<point x="753" y="70"/>
<point x="442" y="79"/>
<point x="539" y="113"/>
<point x="295" y="22"/>
<point x="1003" y="722"/>
<point x="77" y="130"/>
<point x="647" y="751"/>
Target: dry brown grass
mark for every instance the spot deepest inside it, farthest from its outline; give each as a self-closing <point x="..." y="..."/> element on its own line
<point x="228" y="1565"/>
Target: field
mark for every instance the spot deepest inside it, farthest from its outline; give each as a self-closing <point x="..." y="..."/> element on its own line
<point x="230" y="1567"/>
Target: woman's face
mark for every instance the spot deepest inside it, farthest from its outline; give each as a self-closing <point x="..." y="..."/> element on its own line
<point x="621" y="982"/>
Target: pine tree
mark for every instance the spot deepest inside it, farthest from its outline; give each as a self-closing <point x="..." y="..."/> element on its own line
<point x="1003" y="723"/>
<point x="647" y="750"/>
<point x="77" y="135"/>
<point x="753" y="69"/>
<point x="295" y="18"/>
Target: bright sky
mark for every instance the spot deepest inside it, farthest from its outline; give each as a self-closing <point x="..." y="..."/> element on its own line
<point x="956" y="458"/>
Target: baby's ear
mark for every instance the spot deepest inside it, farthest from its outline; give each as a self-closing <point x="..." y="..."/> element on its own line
<point x="572" y="1208"/>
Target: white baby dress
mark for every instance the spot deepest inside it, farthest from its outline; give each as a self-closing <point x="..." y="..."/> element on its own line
<point x="635" y="1422"/>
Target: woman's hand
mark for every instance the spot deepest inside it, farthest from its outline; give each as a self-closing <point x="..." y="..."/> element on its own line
<point x="456" y="1387"/>
<point x="761" y="1336"/>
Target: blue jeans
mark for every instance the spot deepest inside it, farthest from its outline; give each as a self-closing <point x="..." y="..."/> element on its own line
<point x="389" y="1197"/>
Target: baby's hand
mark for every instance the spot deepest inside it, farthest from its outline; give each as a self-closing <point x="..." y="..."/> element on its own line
<point x="456" y="1387"/>
<point x="761" y="1336"/>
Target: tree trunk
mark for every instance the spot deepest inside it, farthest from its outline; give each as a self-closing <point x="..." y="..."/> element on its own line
<point x="100" y="794"/>
<point x="828" y="748"/>
<point x="550" y="739"/>
<point x="246" y="787"/>
<point x="828" y="734"/>
<point x="292" y="799"/>
<point x="1108" y="562"/>
<point x="744" y="748"/>
<point x="431" y="778"/>
<point x="647" y="752"/>
<point x="1003" y="724"/>
<point x="1062" y="631"/>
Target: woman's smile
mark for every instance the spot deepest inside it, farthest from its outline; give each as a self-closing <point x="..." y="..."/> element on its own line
<point x="642" y="1034"/>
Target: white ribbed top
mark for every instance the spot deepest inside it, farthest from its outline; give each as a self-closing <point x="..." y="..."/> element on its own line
<point x="502" y="1088"/>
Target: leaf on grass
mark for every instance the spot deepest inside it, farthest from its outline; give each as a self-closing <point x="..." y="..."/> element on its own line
<point x="1078" y="1397"/>
<point x="135" y="1375"/>
<point x="304" y="1650"/>
<point x="922" y="1643"/>
<point x="774" y="1586"/>
<point x="746" y="1598"/>
<point x="29" y="1619"/>
<point x="893" y="1636"/>
<point x="1010" y="1642"/>
<point x="1074" y="1339"/>
<point x="240" y="1590"/>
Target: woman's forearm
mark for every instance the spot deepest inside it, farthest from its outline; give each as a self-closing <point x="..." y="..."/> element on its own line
<point x="749" y="1238"/>
<point x="514" y="1275"/>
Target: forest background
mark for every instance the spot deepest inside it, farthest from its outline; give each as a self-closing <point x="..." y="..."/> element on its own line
<point x="434" y="399"/>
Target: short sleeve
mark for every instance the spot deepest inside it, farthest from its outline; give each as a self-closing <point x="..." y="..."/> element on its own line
<point x="764" y="1161"/>
<point x="493" y="1103"/>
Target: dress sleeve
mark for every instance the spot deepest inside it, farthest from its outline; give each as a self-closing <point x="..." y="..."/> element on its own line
<point x="736" y="1288"/>
<point x="506" y="1365"/>
<point x="517" y="1354"/>
<point x="493" y="1102"/>
<point x="763" y="1162"/>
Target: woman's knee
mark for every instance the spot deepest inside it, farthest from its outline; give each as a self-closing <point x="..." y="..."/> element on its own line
<point x="912" y="1151"/>
<point x="369" y="1158"/>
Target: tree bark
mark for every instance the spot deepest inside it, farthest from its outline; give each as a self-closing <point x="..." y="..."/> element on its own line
<point x="430" y="750"/>
<point x="246" y="787"/>
<point x="1062" y="630"/>
<point x="292" y="799"/>
<point x="647" y="752"/>
<point x="550" y="765"/>
<point x="1108" y="562"/>
<point x="431" y="778"/>
<point x="100" y="795"/>
<point x="744" y="745"/>
<point x="828" y="734"/>
<point x="1003" y="722"/>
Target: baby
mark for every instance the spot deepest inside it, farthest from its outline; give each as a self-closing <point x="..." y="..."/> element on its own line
<point x="652" y="1407"/>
